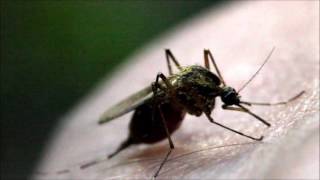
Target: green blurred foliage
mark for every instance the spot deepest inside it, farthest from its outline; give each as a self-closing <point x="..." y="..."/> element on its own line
<point x="53" y="52"/>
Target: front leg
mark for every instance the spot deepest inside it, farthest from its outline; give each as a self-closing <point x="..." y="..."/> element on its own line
<point x="235" y="131"/>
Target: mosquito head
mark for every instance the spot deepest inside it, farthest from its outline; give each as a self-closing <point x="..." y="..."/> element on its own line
<point x="229" y="96"/>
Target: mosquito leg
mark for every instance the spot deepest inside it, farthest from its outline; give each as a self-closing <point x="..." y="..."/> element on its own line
<point x="207" y="56"/>
<point x="235" y="131"/>
<point x="243" y="109"/>
<point x="171" y="145"/>
<point x="163" y="162"/>
<point x="169" y="56"/>
<point x="276" y="103"/>
<point x="155" y="87"/>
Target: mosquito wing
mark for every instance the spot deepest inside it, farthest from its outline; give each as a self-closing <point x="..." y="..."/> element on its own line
<point x="126" y="105"/>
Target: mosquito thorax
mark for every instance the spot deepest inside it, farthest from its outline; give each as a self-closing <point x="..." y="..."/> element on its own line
<point x="196" y="88"/>
<point x="229" y="96"/>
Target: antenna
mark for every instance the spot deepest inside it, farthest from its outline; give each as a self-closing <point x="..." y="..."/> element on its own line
<point x="255" y="74"/>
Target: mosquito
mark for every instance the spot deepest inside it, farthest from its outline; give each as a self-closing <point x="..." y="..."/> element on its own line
<point x="160" y="107"/>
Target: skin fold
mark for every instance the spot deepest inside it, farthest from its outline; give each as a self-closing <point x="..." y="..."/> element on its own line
<point x="240" y="35"/>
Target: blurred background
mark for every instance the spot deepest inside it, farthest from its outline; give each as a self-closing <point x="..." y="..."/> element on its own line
<point x="54" y="52"/>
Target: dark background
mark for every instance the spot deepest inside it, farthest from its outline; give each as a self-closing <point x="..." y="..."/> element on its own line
<point x="54" y="52"/>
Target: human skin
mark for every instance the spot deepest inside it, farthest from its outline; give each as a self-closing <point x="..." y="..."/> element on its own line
<point x="240" y="35"/>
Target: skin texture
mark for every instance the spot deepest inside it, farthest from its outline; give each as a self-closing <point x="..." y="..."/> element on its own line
<point x="240" y="35"/>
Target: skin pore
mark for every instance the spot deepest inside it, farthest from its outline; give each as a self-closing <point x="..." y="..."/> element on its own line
<point x="240" y="35"/>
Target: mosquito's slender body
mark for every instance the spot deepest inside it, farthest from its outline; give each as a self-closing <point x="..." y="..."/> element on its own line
<point x="160" y="109"/>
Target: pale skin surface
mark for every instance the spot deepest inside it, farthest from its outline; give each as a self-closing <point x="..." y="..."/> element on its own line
<point x="240" y="36"/>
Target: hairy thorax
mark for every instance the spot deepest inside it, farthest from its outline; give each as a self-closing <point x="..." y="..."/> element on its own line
<point x="195" y="89"/>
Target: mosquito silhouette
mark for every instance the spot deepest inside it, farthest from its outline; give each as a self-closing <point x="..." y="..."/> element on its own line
<point x="161" y="107"/>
